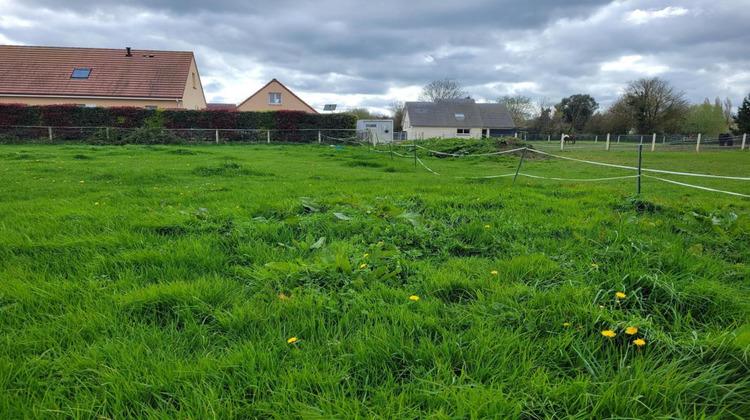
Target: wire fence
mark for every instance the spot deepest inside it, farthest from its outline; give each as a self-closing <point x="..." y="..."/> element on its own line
<point x="412" y="152"/>
<point x="663" y="142"/>
<point x="117" y="135"/>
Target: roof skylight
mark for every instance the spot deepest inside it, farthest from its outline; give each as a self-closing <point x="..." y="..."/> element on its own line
<point x="81" y="73"/>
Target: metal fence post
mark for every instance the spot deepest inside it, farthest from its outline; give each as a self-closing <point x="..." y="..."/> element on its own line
<point x="653" y="142"/>
<point x="640" y="158"/>
<point x="520" y="162"/>
<point x="698" y="144"/>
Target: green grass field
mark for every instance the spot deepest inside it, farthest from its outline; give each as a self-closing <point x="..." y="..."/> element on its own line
<point x="311" y="282"/>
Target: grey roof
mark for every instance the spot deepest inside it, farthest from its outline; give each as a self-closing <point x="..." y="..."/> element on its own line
<point x="442" y="113"/>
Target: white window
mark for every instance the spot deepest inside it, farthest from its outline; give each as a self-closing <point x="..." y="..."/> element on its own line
<point x="370" y="125"/>
<point x="463" y="131"/>
<point x="460" y="116"/>
<point x="274" y="98"/>
<point x="150" y="106"/>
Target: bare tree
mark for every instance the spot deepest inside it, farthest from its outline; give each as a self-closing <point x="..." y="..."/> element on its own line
<point x="442" y="89"/>
<point x="520" y="107"/>
<point x="397" y="113"/>
<point x="726" y="107"/>
<point x="655" y="105"/>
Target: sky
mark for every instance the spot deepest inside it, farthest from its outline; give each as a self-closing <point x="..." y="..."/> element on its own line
<point x="371" y="54"/>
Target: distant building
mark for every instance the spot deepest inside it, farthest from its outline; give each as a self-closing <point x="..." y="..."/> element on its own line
<point x="219" y="106"/>
<point x="275" y="97"/>
<point x="462" y="118"/>
<point x="100" y="77"/>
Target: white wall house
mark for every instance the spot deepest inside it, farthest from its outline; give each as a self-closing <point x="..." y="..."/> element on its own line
<point x="456" y="118"/>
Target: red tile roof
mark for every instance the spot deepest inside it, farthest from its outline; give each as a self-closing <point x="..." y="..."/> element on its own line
<point x="47" y="70"/>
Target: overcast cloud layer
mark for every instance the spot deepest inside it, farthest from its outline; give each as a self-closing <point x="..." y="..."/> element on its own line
<point x="369" y="54"/>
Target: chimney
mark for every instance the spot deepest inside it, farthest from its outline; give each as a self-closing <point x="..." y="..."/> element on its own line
<point x="128" y="54"/>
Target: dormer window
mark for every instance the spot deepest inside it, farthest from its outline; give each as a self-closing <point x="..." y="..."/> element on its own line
<point x="460" y="116"/>
<point x="80" y="73"/>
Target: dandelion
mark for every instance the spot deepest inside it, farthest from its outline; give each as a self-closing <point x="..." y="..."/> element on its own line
<point x="486" y="226"/>
<point x="366" y="255"/>
<point x="414" y="297"/>
<point x="292" y="340"/>
<point x="96" y="204"/>
<point x="631" y="330"/>
<point x="362" y="265"/>
<point x="639" y="342"/>
<point x="608" y="333"/>
<point x="81" y="181"/>
<point x="566" y="324"/>
<point x="580" y="327"/>
<point x="493" y="272"/>
<point x="593" y="265"/>
<point x="380" y="243"/>
<point x="284" y="297"/>
<point x="621" y="295"/>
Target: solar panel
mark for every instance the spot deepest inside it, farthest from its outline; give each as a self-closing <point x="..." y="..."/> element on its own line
<point x="329" y="107"/>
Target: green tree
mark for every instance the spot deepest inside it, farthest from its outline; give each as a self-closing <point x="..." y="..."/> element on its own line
<point x="363" y="114"/>
<point x="521" y="108"/>
<point x="742" y="119"/>
<point x="655" y="106"/>
<point x="706" y="119"/>
<point x="577" y="109"/>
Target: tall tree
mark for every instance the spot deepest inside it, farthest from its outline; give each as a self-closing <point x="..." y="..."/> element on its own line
<point x="706" y="119"/>
<point x="442" y="89"/>
<point x="655" y="105"/>
<point x="742" y="119"/>
<point x="577" y="109"/>
<point x="726" y="107"/>
<point x="520" y="107"/>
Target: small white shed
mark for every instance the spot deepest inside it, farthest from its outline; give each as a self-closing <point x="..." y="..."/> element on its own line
<point x="376" y="131"/>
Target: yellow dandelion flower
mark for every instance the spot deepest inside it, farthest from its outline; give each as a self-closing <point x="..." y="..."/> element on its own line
<point x="81" y="181"/>
<point x="493" y="272"/>
<point x="366" y="255"/>
<point x="580" y="327"/>
<point x="608" y="333"/>
<point x="593" y="265"/>
<point x="284" y="297"/>
<point x="631" y="330"/>
<point x="566" y="324"/>
<point x="486" y="226"/>
<point x="292" y="340"/>
<point x="362" y="265"/>
<point x="96" y="204"/>
<point x="639" y="342"/>
<point x="621" y="295"/>
<point x="380" y="243"/>
<point x="414" y="297"/>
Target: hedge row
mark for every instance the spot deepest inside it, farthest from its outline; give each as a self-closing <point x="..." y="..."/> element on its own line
<point x="131" y="117"/>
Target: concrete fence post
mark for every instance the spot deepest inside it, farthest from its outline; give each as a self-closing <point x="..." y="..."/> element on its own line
<point x="744" y="140"/>
<point x="549" y="137"/>
<point x="217" y="136"/>
<point x="562" y="141"/>
<point x="653" y="142"/>
<point x="698" y="144"/>
<point x="106" y="129"/>
<point x="319" y="139"/>
<point x="268" y="136"/>
<point x="596" y="139"/>
<point x="49" y="133"/>
<point x="618" y="139"/>
<point x="607" y="145"/>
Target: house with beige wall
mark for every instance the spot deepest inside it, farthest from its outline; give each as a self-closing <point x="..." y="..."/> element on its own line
<point x="456" y="118"/>
<point x="100" y="77"/>
<point x="274" y="96"/>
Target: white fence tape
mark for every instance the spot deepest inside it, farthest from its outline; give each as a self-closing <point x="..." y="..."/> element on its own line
<point x="578" y="179"/>
<point x="425" y="166"/>
<point x="697" y="186"/>
<point x="470" y="155"/>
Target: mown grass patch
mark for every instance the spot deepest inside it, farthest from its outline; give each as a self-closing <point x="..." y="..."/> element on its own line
<point x="292" y="281"/>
